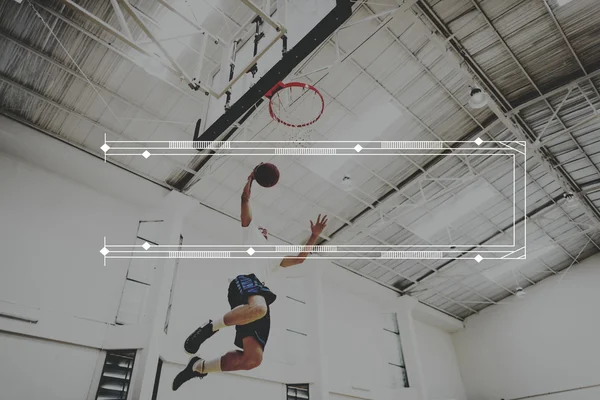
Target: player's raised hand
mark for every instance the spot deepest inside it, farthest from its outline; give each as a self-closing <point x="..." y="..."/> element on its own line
<point x="317" y="228"/>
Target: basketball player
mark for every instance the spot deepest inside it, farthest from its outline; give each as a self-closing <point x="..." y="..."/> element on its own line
<point x="249" y="299"/>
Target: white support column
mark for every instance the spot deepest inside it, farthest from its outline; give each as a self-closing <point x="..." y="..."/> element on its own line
<point x="320" y="389"/>
<point x="176" y="207"/>
<point x="410" y="347"/>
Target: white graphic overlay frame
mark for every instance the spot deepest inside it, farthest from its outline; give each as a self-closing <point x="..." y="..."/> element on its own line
<point x="451" y="251"/>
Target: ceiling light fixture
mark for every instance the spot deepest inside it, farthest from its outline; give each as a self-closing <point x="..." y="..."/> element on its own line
<point x="347" y="183"/>
<point x="478" y="98"/>
<point x="520" y="293"/>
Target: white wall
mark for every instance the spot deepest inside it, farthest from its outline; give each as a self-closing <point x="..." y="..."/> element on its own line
<point x="357" y="364"/>
<point x="39" y="369"/>
<point x="51" y="230"/>
<point x="440" y="366"/>
<point x="546" y="342"/>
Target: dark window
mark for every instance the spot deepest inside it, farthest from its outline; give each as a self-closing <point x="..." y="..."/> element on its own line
<point x="157" y="379"/>
<point x="297" y="392"/>
<point x="116" y="375"/>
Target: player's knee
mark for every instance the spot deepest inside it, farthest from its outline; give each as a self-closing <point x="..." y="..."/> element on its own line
<point x="251" y="362"/>
<point x="259" y="310"/>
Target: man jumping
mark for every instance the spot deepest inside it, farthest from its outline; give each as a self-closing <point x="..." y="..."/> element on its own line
<point x="249" y="299"/>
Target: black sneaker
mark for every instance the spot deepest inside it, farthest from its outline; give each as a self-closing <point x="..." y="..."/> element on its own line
<point x="199" y="336"/>
<point x="187" y="374"/>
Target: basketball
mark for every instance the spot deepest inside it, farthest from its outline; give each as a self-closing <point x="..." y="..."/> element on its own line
<point x="266" y="175"/>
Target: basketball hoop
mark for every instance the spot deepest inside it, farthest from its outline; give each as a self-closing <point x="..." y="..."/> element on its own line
<point x="295" y="104"/>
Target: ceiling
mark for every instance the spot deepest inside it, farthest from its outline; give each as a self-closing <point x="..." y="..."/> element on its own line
<point x="408" y="74"/>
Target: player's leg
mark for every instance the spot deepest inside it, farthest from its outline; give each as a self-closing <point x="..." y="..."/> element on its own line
<point x="246" y="360"/>
<point x="252" y="338"/>
<point x="247" y="313"/>
<point x="249" y="304"/>
<point x="251" y="357"/>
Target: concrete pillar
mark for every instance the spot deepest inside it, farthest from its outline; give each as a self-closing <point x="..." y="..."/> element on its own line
<point x="176" y="207"/>
<point x="414" y="369"/>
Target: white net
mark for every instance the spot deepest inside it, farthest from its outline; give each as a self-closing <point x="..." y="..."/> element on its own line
<point x="295" y="137"/>
<point x="297" y="105"/>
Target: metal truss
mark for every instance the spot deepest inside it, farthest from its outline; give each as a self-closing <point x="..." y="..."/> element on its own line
<point x="112" y="48"/>
<point x="520" y="129"/>
<point x="77" y="114"/>
<point x="126" y="37"/>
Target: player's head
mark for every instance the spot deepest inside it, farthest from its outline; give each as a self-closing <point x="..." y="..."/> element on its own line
<point x="266" y="175"/>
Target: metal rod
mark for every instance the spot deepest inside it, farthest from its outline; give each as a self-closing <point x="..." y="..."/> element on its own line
<point x="121" y="19"/>
<point x="92" y="18"/>
<point x="190" y="22"/>
<point x="517" y="109"/>
<point x="265" y="16"/>
<point x="78" y="75"/>
<point x="77" y="114"/>
<point x="161" y="48"/>
<point x="568" y="43"/>
<point x="555" y="392"/>
<point x="113" y="48"/>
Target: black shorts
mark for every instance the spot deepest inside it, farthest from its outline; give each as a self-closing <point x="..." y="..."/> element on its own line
<point x="240" y="289"/>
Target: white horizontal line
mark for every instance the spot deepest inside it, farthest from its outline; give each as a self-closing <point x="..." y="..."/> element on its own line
<point x="326" y="258"/>
<point x="338" y="154"/>
<point x="446" y="247"/>
<point x="322" y="141"/>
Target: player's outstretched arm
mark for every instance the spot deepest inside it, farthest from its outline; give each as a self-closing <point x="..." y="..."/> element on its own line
<point x="316" y="230"/>
<point x="246" y="216"/>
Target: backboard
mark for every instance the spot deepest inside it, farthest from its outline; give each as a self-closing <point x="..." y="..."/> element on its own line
<point x="284" y="24"/>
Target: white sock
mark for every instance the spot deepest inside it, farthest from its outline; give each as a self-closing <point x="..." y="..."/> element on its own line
<point x="205" y="367"/>
<point x="218" y="324"/>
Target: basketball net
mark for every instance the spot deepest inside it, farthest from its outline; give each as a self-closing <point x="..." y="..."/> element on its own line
<point x="296" y="137"/>
<point x="295" y="107"/>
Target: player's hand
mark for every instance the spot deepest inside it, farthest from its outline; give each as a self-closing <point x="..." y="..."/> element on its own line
<point x="248" y="187"/>
<point x="318" y="228"/>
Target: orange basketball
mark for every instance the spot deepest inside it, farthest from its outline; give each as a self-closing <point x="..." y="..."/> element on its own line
<point x="266" y="175"/>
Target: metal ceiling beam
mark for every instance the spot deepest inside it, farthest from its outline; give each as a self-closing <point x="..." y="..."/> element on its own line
<point x="80" y="76"/>
<point x="522" y="131"/>
<point x="515" y="110"/>
<point x="78" y="114"/>
<point x="427" y="70"/>
<point x="169" y="7"/>
<point x="562" y="33"/>
<point x="114" y="49"/>
<point x="536" y="87"/>
<point x="427" y="13"/>
<point x="121" y="19"/>
<point x="184" y="75"/>
<point x="97" y="21"/>
<point x="530" y="216"/>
